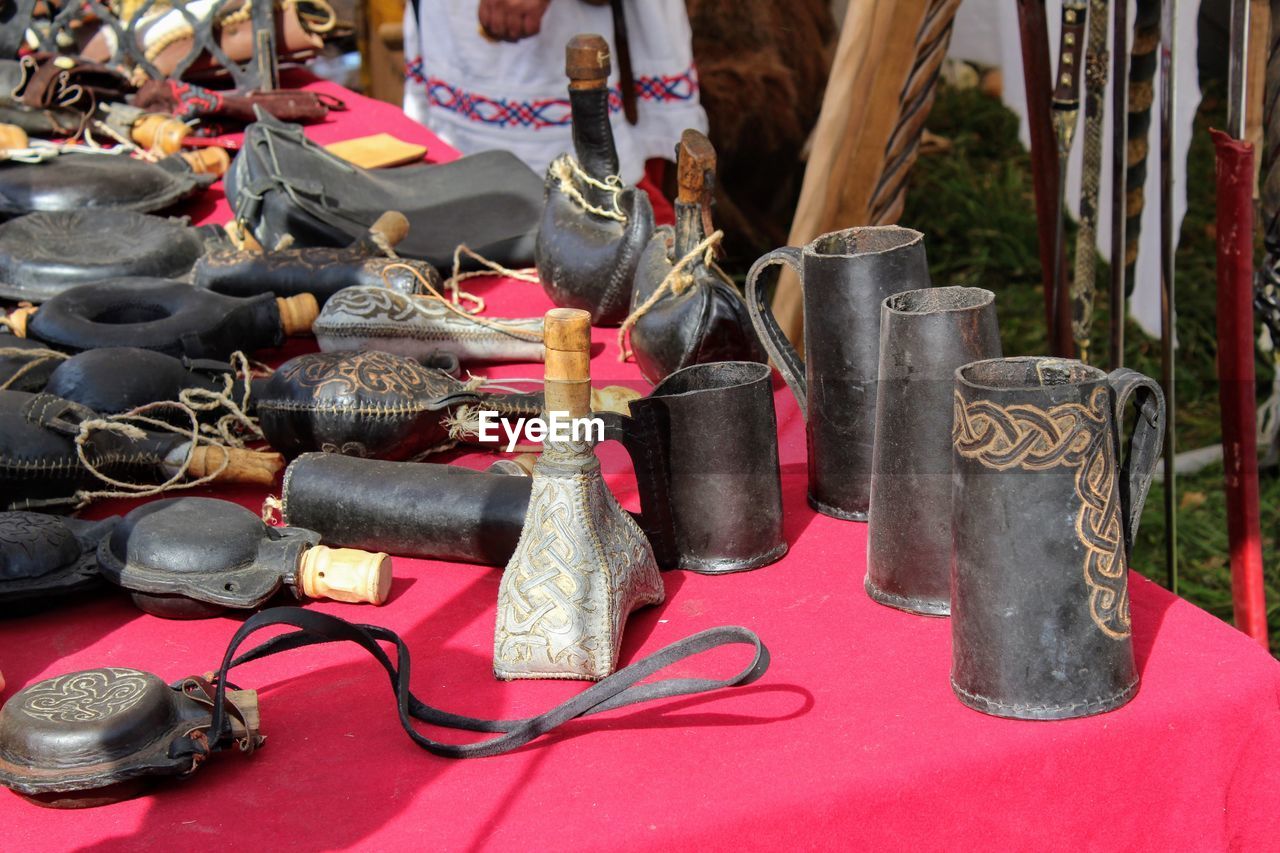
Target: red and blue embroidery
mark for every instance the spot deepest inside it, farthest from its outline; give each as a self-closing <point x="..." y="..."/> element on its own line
<point x="550" y="112"/>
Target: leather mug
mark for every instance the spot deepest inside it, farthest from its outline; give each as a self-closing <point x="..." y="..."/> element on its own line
<point x="705" y="449"/>
<point x="924" y="336"/>
<point x="844" y="277"/>
<point x="1044" y="513"/>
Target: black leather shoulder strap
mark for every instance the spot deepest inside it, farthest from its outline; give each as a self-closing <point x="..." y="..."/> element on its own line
<point x="618" y="690"/>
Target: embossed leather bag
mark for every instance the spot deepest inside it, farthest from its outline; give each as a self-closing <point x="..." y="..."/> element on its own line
<point x="45" y="556"/>
<point x="43" y="254"/>
<point x="188" y="558"/>
<point x="593" y="229"/>
<point x="379" y="318"/>
<point x="1047" y="499"/>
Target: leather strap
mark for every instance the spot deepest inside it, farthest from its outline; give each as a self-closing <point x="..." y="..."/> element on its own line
<point x="616" y="691"/>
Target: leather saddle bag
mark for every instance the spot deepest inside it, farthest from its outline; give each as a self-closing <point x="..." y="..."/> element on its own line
<point x="282" y="183"/>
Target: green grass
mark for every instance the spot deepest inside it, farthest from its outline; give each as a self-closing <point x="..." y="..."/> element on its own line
<point x="976" y="207"/>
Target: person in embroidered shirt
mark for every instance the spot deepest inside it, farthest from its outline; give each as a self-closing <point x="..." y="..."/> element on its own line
<point x="486" y="74"/>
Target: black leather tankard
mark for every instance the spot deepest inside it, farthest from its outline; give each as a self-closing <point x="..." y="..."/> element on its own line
<point x="1045" y="508"/>
<point x="845" y="275"/>
<point x="593" y="229"/>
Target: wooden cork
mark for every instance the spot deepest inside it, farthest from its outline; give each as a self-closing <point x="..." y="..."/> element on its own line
<point x="344" y="574"/>
<point x="566" y="334"/>
<point x="255" y="467"/>
<point x="297" y="313"/>
<point x="242" y="238"/>
<point x="18" y="319"/>
<point x="208" y="161"/>
<point x="586" y="62"/>
<point x="162" y="133"/>
<point x="391" y="227"/>
<point x="695" y="167"/>
<point x="13" y="137"/>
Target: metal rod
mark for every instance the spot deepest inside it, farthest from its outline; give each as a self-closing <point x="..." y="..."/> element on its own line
<point x="1119" y="169"/>
<point x="1168" y="314"/>
<point x="1237" y="58"/>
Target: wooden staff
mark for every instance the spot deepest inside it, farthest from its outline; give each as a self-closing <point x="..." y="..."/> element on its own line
<point x="1236" y="380"/>
<point x="1037" y="75"/>
<point x="1168" y="245"/>
<point x="882" y="86"/>
<point x="1119" y="164"/>
<point x="1143" y="60"/>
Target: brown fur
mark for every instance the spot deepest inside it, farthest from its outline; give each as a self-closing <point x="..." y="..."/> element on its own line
<point x="762" y="66"/>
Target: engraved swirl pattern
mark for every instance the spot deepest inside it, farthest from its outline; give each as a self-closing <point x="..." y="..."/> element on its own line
<point x="342" y="373"/>
<point x="1072" y="435"/>
<point x="80" y="697"/>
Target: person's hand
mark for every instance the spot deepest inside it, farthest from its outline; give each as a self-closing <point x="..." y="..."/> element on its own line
<point x="512" y="20"/>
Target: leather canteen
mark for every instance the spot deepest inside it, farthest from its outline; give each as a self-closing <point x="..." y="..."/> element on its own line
<point x="95" y="181"/>
<point x="186" y="558"/>
<point x="694" y="314"/>
<point x="43" y="254"/>
<point x="43" y="437"/>
<point x="379" y="318"/>
<point x="98" y="736"/>
<point x="319" y="270"/>
<point x="282" y="183"/>
<point x="409" y="509"/>
<point x="371" y="404"/>
<point x="166" y="316"/>
<point x="111" y="380"/>
<point x="844" y="276"/>
<point x="45" y="556"/>
<point x="587" y="258"/>
<point x="25" y="365"/>
<point x="1044" y="513"/>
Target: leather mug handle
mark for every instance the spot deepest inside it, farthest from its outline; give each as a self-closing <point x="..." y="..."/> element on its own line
<point x="775" y="342"/>
<point x="1143" y="451"/>
<point x="643" y="442"/>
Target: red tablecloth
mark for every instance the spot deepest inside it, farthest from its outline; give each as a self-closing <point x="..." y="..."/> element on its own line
<point x="853" y="737"/>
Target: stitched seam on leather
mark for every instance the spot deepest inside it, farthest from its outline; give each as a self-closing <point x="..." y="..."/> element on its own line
<point x="1085" y="704"/>
<point x="375" y="410"/>
<point x="349" y="331"/>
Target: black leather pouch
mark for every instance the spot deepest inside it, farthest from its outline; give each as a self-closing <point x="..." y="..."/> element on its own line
<point x="45" y="556"/>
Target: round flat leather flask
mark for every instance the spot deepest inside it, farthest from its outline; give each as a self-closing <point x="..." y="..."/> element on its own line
<point x="190" y="558"/>
<point x="45" y="556"/>
<point x="101" y="735"/>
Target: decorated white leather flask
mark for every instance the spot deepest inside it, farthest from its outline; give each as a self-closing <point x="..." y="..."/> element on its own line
<point x="582" y="565"/>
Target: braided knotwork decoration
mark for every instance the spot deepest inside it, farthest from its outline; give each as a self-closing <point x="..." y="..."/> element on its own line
<point x="1073" y="435"/>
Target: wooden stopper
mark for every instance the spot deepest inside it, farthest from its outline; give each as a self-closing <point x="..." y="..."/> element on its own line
<point x="242" y="238"/>
<point x="18" y="319"/>
<point x="344" y="574"/>
<point x="297" y="313"/>
<point x="156" y="132"/>
<point x="392" y="226"/>
<point x="255" y="467"/>
<point x="695" y="167"/>
<point x="13" y="137"/>
<point x="208" y="161"/>
<point x="566" y="334"/>
<point x="586" y="62"/>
